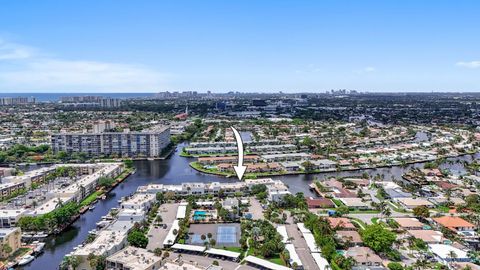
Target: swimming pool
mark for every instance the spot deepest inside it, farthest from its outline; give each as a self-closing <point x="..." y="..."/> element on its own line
<point x="199" y="215"/>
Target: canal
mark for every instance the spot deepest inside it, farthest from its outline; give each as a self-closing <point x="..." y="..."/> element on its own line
<point x="175" y="170"/>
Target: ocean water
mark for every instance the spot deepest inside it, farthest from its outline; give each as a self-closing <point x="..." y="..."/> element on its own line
<point x="53" y="97"/>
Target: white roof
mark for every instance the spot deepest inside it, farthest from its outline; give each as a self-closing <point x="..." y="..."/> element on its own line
<point x="223" y="252"/>
<point x="181" y="211"/>
<point x="189" y="247"/>
<point x="293" y="254"/>
<point x="265" y="263"/>
<point x="170" y="239"/>
<point x="282" y="230"/>
<point x="443" y="251"/>
<point x="311" y="242"/>
<point x="321" y="262"/>
<point x="302" y="228"/>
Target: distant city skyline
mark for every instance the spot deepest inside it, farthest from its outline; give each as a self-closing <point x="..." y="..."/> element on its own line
<point x="247" y="46"/>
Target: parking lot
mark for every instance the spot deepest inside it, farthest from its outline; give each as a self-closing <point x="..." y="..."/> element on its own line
<point x="157" y="234"/>
<point x="255" y="209"/>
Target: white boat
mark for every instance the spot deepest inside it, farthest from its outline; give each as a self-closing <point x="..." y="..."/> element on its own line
<point x="91" y="207"/>
<point x="40" y="235"/>
<point x="39" y="247"/>
<point x="26" y="260"/>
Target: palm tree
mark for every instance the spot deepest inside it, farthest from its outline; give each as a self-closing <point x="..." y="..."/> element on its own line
<point x="256" y="232"/>
<point x="452" y="255"/>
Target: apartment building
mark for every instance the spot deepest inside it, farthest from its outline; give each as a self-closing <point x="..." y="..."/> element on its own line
<point x="133" y="258"/>
<point x="123" y="144"/>
<point x="16" y="100"/>
<point x="10" y="237"/>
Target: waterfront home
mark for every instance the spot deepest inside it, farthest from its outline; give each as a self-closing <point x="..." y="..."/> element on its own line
<point x="251" y="167"/>
<point x="139" y="201"/>
<point x="277" y="191"/>
<point x="313" y="203"/>
<point x="227" y="160"/>
<point x="276" y="188"/>
<point x="292" y="166"/>
<point x="324" y="164"/>
<point x="210" y="150"/>
<point x="286" y="157"/>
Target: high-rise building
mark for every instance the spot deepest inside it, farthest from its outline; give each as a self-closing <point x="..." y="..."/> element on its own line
<point x="122" y="144"/>
<point x="16" y="100"/>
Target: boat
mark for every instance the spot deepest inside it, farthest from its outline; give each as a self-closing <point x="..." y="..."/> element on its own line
<point x="38" y="247"/>
<point x="91" y="207"/>
<point x="104" y="197"/>
<point x="26" y="260"/>
<point x="40" y="235"/>
<point x="27" y="236"/>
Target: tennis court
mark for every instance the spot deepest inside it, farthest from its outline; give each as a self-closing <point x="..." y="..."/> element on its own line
<point x="226" y="234"/>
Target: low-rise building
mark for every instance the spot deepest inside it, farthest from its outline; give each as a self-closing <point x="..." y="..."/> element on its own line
<point x="457" y="225"/>
<point x="428" y="236"/>
<point x="411" y="203"/>
<point x="409" y="223"/>
<point x="364" y="257"/>
<point x="132" y="258"/>
<point x="443" y="253"/>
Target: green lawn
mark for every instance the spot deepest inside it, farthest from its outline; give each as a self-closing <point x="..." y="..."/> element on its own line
<point x="92" y="197"/>
<point x="277" y="260"/>
<point x="442" y="209"/>
<point x="234" y="249"/>
<point x="337" y="202"/>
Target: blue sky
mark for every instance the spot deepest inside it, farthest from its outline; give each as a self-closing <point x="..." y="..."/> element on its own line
<point x="249" y="45"/>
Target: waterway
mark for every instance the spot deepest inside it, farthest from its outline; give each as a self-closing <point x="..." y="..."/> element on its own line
<point x="175" y="170"/>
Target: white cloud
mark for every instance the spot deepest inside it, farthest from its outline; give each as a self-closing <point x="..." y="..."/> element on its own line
<point x="365" y="70"/>
<point x="11" y="51"/>
<point x="31" y="72"/>
<point x="471" y="64"/>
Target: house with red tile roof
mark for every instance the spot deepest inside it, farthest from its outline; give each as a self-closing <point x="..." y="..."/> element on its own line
<point x="343" y="223"/>
<point x="319" y="203"/>
<point x="457" y="224"/>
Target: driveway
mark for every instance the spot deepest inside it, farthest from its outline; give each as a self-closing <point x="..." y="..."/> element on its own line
<point x="255" y="209"/>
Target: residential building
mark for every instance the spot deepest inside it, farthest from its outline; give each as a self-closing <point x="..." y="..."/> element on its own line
<point x="132" y="258"/>
<point x="457" y="225"/>
<point x="123" y="144"/>
<point x="364" y="257"/>
<point x="9" y="237"/>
